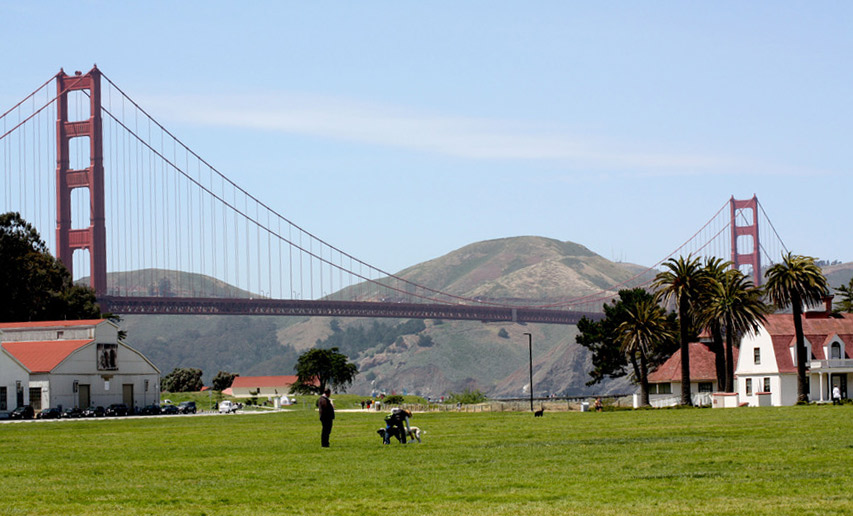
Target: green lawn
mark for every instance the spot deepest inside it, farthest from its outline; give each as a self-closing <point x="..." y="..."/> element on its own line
<point x="796" y="460"/>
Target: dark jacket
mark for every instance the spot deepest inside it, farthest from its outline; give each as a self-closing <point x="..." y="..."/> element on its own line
<point x="327" y="410"/>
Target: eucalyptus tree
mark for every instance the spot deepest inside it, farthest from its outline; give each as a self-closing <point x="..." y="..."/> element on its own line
<point x="732" y="302"/>
<point x="795" y="281"/>
<point x="682" y="282"/>
<point x="845" y="303"/>
<point x="646" y="327"/>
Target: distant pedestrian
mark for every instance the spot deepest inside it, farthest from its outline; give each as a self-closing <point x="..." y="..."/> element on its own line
<point x="362" y="404"/>
<point x="836" y="396"/>
<point x="327" y="416"/>
<point x="598" y="405"/>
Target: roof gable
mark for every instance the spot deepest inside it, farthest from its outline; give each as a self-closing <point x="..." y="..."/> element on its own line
<point x="52" y="324"/>
<point x="43" y="356"/>
<point x="702" y="365"/>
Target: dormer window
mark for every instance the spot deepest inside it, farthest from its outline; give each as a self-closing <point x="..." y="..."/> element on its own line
<point x="835" y="351"/>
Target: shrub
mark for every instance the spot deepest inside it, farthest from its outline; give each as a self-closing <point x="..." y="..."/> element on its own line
<point x="468" y="397"/>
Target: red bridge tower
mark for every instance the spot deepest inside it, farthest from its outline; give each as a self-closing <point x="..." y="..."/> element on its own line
<point x="93" y="237"/>
<point x="741" y="229"/>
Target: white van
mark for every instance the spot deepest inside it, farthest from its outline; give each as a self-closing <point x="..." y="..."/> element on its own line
<point x="227" y="407"/>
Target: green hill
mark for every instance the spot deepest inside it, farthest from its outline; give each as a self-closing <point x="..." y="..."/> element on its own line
<point x="432" y="357"/>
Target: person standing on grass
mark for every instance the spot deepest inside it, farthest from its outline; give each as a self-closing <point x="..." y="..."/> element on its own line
<point x="836" y="396"/>
<point x="327" y="416"/>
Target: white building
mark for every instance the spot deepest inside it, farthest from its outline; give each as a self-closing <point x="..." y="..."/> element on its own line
<point x="768" y="359"/>
<point x="72" y="364"/>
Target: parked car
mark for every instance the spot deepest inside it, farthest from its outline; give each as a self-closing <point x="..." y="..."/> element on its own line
<point x="72" y="412"/>
<point x="49" y="413"/>
<point x="23" y="412"/>
<point x="117" y="409"/>
<point x="227" y="407"/>
<point x="187" y="407"/>
<point x="150" y="410"/>
<point x="169" y="409"/>
<point x="94" y="411"/>
<point x="4" y="415"/>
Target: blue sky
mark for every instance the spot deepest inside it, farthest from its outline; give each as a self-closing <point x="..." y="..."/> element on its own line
<point x="400" y="131"/>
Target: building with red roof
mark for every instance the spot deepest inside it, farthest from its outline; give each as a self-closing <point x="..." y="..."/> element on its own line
<point x="72" y="364"/>
<point x="262" y="386"/>
<point x="766" y="362"/>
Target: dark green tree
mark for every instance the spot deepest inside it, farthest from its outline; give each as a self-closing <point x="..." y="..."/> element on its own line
<point x="646" y="327"/>
<point x="682" y="281"/>
<point x="317" y="369"/>
<point x="793" y="282"/>
<point x="845" y="304"/>
<point x="182" y="379"/>
<point x="35" y="286"/>
<point x="223" y="380"/>
<point x="602" y="338"/>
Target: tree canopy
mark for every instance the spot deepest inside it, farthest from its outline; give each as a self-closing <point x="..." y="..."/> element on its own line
<point x="35" y="285"/>
<point x="223" y="380"/>
<point x="603" y="338"/>
<point x="183" y="379"/>
<point x="317" y="369"/>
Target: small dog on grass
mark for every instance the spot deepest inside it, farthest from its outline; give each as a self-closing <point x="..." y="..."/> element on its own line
<point x="539" y="413"/>
<point x="414" y="433"/>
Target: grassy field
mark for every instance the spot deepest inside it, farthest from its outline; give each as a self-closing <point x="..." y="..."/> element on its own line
<point x="796" y="460"/>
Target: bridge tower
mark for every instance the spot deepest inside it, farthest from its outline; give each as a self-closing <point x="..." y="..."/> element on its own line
<point x="742" y="229"/>
<point x="93" y="237"/>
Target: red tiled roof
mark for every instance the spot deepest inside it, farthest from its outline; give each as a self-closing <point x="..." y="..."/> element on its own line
<point x="263" y="381"/>
<point x="51" y="324"/>
<point x="818" y="331"/>
<point x="702" y="366"/>
<point x="42" y="357"/>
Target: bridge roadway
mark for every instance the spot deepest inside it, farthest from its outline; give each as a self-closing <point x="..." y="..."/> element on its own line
<point x="297" y="307"/>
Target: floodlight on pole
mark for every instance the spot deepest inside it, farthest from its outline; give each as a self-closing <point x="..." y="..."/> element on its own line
<point x="530" y="349"/>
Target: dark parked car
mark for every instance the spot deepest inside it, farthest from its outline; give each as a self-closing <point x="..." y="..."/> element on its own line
<point x="23" y="412"/>
<point x="150" y="410"/>
<point x="187" y="407"/>
<point x="117" y="409"/>
<point x="94" y="412"/>
<point x="5" y="415"/>
<point x="72" y="412"/>
<point x="170" y="409"/>
<point x="49" y="413"/>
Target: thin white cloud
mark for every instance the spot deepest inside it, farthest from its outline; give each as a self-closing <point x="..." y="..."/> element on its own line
<point x="466" y="137"/>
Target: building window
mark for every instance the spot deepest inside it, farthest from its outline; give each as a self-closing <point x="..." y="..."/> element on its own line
<point x="35" y="398"/>
<point x="767" y="385"/>
<point x="107" y="357"/>
<point x="664" y="388"/>
<point x="749" y="386"/>
<point x="756" y="354"/>
<point x="3" y="404"/>
<point x="706" y="387"/>
<point x="836" y="350"/>
<point x="60" y="334"/>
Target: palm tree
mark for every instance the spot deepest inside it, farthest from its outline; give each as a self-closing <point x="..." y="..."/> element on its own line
<point x="645" y="327"/>
<point x="682" y="282"/>
<point x="735" y="304"/>
<point x="714" y="270"/>
<point x="795" y="281"/>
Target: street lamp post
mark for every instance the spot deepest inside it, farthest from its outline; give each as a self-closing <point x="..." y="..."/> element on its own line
<point x="530" y="348"/>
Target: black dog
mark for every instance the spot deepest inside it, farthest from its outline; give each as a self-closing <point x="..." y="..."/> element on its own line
<point x="539" y="413"/>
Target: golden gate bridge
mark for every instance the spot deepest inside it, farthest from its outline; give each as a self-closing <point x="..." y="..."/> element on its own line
<point x="125" y="203"/>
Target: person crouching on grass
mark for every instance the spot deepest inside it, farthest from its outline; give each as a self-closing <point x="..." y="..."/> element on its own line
<point x="397" y="423"/>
